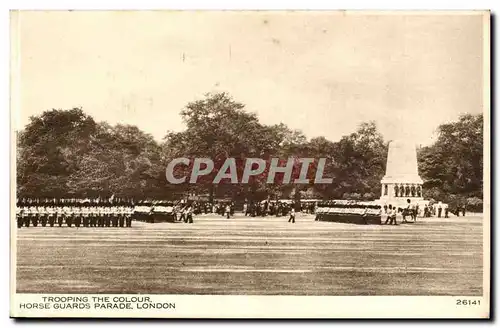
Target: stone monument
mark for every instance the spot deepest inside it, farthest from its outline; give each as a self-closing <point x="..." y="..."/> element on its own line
<point x="401" y="181"/>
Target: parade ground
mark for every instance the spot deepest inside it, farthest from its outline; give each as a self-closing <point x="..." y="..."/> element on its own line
<point x="258" y="256"/>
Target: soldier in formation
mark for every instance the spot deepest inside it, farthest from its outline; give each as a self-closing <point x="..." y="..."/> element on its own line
<point x="74" y="212"/>
<point x="101" y="213"/>
<point x="292" y="215"/>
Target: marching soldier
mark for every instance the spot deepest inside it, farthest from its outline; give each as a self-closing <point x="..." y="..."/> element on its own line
<point x="51" y="211"/>
<point x="108" y="211"/>
<point x="70" y="214"/>
<point x="57" y="211"/>
<point x="22" y="209"/>
<point x="29" y="216"/>
<point x="78" y="212"/>
<point x="86" y="216"/>
<point x="100" y="215"/>
<point x="105" y="215"/>
<point x="109" y="214"/>
<point x="60" y="215"/>
<point x="87" y="213"/>
<point x="121" y="219"/>
<point x="113" y="212"/>
<point x="25" y="216"/>
<point x="128" y="217"/>
<point x="34" y="216"/>
<point x="151" y="216"/>
<point x="182" y="211"/>
<point x="97" y="212"/>
<point x="184" y="214"/>
<point x="174" y="212"/>
<point x="19" y="216"/>
<point x="42" y="214"/>
<point x="245" y="208"/>
<point x="292" y="215"/>
<point x="279" y="208"/>
<point x="94" y="215"/>
<point x="107" y="219"/>
<point x="265" y="208"/>
<point x="100" y="218"/>
<point x="114" y="221"/>
<point x="391" y="216"/>
<point x="119" y="212"/>
<point x="272" y="208"/>
<point x="90" y="214"/>
<point x="189" y="215"/>
<point x="60" y="210"/>
<point x="75" y="213"/>
<point x="440" y="210"/>
<point x="406" y="211"/>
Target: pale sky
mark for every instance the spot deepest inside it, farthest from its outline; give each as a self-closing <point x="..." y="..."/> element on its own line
<point x="321" y="72"/>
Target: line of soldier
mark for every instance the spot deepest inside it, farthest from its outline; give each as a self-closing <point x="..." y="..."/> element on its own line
<point x="86" y="216"/>
<point x="184" y="214"/>
<point x="264" y="208"/>
<point x="119" y="212"/>
<point x="268" y="208"/>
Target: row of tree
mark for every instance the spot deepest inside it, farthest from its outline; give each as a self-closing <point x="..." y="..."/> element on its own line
<point x="452" y="167"/>
<point x="66" y="152"/>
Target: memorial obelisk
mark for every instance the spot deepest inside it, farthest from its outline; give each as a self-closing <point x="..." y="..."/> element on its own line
<point x="401" y="181"/>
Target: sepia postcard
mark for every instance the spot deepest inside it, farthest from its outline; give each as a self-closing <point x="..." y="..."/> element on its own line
<point x="250" y="164"/>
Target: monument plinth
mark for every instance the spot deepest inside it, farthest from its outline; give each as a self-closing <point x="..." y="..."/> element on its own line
<point x="401" y="181"/>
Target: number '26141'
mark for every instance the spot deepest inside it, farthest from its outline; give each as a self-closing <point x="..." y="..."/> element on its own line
<point x="468" y="302"/>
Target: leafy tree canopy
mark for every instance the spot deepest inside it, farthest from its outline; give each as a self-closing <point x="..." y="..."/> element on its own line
<point x="65" y="152"/>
